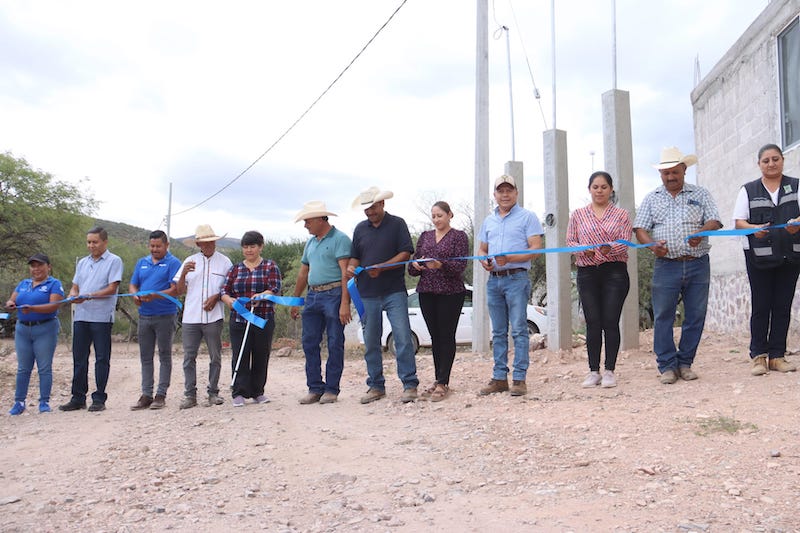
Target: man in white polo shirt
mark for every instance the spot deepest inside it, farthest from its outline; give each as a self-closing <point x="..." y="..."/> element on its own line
<point x="201" y="277"/>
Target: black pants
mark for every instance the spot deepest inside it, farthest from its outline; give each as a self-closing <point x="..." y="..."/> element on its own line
<point x="602" y="290"/>
<point x="252" y="375"/>
<point x="441" y="313"/>
<point x="771" y="295"/>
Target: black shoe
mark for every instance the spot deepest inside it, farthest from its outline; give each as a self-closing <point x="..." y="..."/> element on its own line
<point x="72" y="405"/>
<point x="97" y="406"/>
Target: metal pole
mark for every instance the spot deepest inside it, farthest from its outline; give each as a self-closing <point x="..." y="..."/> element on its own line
<point x="169" y="210"/>
<point x="510" y="96"/>
<point x="553" y="52"/>
<point x="614" y="44"/>
<point x="241" y="351"/>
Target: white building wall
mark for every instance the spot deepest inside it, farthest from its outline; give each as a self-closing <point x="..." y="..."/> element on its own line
<point x="736" y="111"/>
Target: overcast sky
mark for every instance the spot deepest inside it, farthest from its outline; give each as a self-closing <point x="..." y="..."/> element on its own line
<point x="131" y="97"/>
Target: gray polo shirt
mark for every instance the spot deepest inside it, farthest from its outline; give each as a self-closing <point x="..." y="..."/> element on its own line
<point x="91" y="276"/>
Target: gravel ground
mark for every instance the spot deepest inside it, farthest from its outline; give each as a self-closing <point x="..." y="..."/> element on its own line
<point x="718" y="454"/>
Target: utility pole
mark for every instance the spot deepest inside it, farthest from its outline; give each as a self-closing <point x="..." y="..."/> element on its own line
<point x="480" y="314"/>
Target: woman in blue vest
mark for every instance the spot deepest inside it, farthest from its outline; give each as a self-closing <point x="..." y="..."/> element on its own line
<point x="772" y="257"/>
<point x="36" y="300"/>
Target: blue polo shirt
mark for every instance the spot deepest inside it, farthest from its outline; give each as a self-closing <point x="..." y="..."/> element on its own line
<point x="92" y="275"/>
<point x="27" y="294"/>
<point x="149" y="276"/>
<point x="510" y="233"/>
<point x="322" y="257"/>
<point x="373" y="245"/>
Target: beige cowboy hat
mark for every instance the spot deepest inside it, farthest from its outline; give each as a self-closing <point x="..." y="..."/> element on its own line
<point x="313" y="209"/>
<point x="369" y="197"/>
<point x="203" y="233"/>
<point x="672" y="157"/>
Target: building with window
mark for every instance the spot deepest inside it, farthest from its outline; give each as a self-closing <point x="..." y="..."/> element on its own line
<point x="750" y="98"/>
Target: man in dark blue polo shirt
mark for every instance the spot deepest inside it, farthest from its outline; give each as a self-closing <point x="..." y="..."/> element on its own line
<point x="383" y="239"/>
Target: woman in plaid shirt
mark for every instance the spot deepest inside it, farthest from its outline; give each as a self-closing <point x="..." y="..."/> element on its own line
<point x="255" y="276"/>
<point x="603" y="281"/>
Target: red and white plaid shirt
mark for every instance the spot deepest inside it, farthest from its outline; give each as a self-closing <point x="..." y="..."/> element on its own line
<point x="585" y="228"/>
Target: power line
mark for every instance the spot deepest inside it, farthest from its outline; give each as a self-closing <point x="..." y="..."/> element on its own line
<point x="536" y="93"/>
<point x="302" y="115"/>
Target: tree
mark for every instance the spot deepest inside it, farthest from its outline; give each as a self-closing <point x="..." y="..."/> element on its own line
<point x="36" y="210"/>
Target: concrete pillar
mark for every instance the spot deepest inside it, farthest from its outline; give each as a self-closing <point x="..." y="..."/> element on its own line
<point x="618" y="154"/>
<point x="480" y="311"/>
<point x="515" y="170"/>
<point x="556" y="201"/>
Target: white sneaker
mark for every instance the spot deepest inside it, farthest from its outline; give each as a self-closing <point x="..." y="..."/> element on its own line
<point x="608" y="379"/>
<point x="592" y="380"/>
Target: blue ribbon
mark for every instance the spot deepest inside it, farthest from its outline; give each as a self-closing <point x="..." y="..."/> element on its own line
<point x="239" y="306"/>
<point x="355" y="297"/>
<point x="140" y="293"/>
<point x="739" y="232"/>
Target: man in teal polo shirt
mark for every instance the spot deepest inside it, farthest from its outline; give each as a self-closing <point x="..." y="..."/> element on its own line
<point x="327" y="303"/>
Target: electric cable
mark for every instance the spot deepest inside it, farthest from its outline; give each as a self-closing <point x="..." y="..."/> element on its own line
<point x="302" y="115"/>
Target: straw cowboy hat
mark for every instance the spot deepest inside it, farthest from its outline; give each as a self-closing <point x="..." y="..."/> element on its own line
<point x="672" y="157"/>
<point x="203" y="233"/>
<point x="313" y="209"/>
<point x="369" y="197"/>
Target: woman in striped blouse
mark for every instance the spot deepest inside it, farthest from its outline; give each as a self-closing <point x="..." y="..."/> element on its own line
<point x="603" y="281"/>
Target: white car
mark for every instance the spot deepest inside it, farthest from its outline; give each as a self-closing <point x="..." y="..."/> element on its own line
<point x="537" y="322"/>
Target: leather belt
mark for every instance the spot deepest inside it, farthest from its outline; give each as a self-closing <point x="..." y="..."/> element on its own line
<point x="681" y="258"/>
<point x="35" y="322"/>
<point x="502" y="273"/>
<point x="325" y="287"/>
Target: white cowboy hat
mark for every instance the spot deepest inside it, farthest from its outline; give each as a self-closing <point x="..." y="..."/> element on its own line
<point x="672" y="157"/>
<point x="203" y="233"/>
<point x="313" y="209"/>
<point x="369" y="197"/>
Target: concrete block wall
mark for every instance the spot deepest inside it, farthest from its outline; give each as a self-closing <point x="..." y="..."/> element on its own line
<point x="736" y="111"/>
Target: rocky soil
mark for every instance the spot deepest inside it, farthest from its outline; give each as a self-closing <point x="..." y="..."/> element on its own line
<point x="718" y="454"/>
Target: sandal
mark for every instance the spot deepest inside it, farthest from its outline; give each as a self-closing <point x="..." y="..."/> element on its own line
<point x="429" y="390"/>
<point x="440" y="393"/>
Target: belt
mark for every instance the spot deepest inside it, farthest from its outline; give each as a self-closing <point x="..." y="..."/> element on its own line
<point x="501" y="273"/>
<point x="35" y="322"/>
<point x="681" y="258"/>
<point x="325" y="286"/>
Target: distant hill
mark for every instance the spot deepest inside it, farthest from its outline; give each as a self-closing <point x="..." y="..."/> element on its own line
<point x="137" y="237"/>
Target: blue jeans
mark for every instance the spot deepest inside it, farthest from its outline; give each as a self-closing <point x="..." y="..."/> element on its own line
<point x="507" y="298"/>
<point x="396" y="307"/>
<point x="191" y="336"/>
<point x="321" y="313"/>
<point x="84" y="334"/>
<point x="159" y="329"/>
<point x="36" y="343"/>
<point x="671" y="280"/>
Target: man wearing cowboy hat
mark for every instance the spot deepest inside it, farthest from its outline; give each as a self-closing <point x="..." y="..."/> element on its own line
<point x="97" y="277"/>
<point x="383" y="239"/>
<point x="327" y="304"/>
<point x="667" y="216"/>
<point x="201" y="277"/>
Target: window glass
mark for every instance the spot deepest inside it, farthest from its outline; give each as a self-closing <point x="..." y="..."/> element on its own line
<point x="789" y="71"/>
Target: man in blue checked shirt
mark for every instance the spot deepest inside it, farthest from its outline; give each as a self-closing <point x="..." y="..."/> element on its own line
<point x="667" y="216"/>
